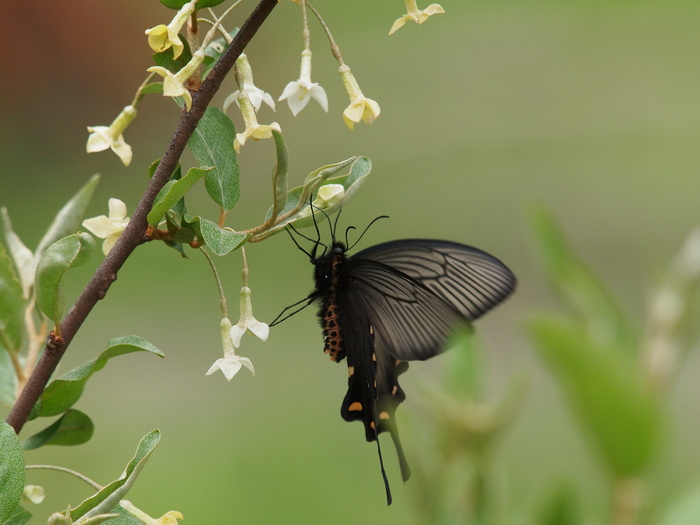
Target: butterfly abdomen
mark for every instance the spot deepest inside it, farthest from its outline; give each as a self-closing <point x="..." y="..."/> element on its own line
<point x="327" y="280"/>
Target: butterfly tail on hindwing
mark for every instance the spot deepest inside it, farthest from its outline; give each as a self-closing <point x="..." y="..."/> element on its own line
<point x="373" y="390"/>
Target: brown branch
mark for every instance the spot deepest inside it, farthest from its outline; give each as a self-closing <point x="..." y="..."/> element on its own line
<point x="133" y="235"/>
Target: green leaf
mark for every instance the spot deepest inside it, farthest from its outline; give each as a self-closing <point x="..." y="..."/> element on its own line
<point x="69" y="252"/>
<point x="154" y="88"/>
<point x="172" y="193"/>
<point x="11" y="471"/>
<point x="167" y="58"/>
<point x="124" y="517"/>
<point x="72" y="428"/>
<point x="212" y="145"/>
<point x="19" y="516"/>
<point x="8" y="379"/>
<point x="108" y="498"/>
<point x="579" y="287"/>
<point x="220" y="240"/>
<point x="11" y="306"/>
<point x="622" y="418"/>
<point x="69" y="219"/>
<point x="21" y="255"/>
<point x="279" y="176"/>
<point x="64" y="392"/>
<point x="299" y="197"/>
<point x="213" y="52"/>
<point x="361" y="167"/>
<point x="465" y="369"/>
<point x="561" y="508"/>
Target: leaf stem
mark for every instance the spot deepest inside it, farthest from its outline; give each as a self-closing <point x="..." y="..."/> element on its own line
<point x="222" y="297"/>
<point x="78" y="475"/>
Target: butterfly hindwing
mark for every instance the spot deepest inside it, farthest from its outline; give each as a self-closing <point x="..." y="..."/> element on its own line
<point x="373" y="390"/>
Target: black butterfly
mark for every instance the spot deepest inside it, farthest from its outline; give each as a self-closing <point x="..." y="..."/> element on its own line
<point x="391" y="303"/>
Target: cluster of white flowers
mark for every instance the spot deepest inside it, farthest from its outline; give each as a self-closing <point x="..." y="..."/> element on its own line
<point x="231" y="336"/>
<point x="248" y="97"/>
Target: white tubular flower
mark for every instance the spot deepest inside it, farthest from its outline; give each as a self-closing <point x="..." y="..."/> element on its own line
<point x="103" y="137"/>
<point x="109" y="228"/>
<point x="174" y="83"/>
<point x="231" y="363"/>
<point x="416" y="15"/>
<point x="257" y="96"/>
<point x="162" y="37"/>
<point x="361" y="108"/>
<point x="253" y="130"/>
<point x="247" y="321"/>
<point x="300" y="92"/>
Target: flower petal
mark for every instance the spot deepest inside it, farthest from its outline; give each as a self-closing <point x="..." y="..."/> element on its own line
<point x="158" y="38"/>
<point x="233" y="97"/>
<point x="117" y="209"/>
<point x="289" y="90"/>
<point x="110" y="241"/>
<point x="259" y="329"/>
<point x="297" y="103"/>
<point x="100" y="138"/>
<point x="247" y="363"/>
<point x="398" y="24"/>
<point x="123" y="150"/>
<point x="319" y="94"/>
<point x="230" y="367"/>
<point x="267" y="99"/>
<point x="237" y="332"/>
<point x="98" y="226"/>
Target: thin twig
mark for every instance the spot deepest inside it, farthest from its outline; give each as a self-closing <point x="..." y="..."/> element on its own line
<point x="78" y="475"/>
<point x="133" y="235"/>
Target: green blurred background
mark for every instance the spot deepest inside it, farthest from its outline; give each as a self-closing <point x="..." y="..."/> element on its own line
<point x="589" y="107"/>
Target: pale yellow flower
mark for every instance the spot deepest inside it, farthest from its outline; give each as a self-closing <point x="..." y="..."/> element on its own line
<point x="416" y="15"/>
<point x="361" y="108"/>
<point x="253" y="130"/>
<point x="174" y="83"/>
<point x="103" y="137"/>
<point x="109" y="228"/>
<point x="162" y="37"/>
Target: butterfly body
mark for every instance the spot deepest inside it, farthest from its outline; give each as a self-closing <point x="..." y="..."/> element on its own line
<point x="395" y="302"/>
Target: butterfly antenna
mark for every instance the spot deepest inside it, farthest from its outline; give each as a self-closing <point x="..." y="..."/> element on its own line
<point x="347" y="230"/>
<point x="365" y="230"/>
<point x="295" y="241"/>
<point x="306" y="300"/>
<point x="335" y="224"/>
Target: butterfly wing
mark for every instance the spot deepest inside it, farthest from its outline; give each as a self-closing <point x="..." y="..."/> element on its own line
<point x="400" y="301"/>
<point x="373" y="391"/>
<point x="418" y="290"/>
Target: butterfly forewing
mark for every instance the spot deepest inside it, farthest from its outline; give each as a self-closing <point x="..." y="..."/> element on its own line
<point x="417" y="291"/>
<point x="469" y="279"/>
